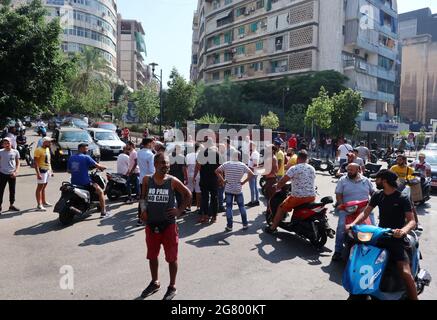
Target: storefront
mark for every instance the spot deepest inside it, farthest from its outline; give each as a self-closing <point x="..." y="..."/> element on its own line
<point x="383" y="132"/>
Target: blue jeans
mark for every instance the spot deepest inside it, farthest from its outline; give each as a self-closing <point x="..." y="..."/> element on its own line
<point x="221" y="196"/>
<point x="340" y="233"/>
<point x="240" y="201"/>
<point x="254" y="193"/>
<point x="133" y="179"/>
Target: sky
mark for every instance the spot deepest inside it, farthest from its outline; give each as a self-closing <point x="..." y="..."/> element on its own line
<point x="168" y="28"/>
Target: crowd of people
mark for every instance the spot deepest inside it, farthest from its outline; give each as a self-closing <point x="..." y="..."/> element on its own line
<point x="215" y="173"/>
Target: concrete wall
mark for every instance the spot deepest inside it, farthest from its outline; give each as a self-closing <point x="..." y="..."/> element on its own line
<point x="419" y="79"/>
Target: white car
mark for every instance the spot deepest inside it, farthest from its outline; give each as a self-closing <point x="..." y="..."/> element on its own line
<point x="107" y="140"/>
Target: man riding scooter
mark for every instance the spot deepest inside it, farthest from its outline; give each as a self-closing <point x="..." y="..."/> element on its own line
<point x="78" y="166"/>
<point x="395" y="213"/>
<point x="302" y="177"/>
<point x="351" y="187"/>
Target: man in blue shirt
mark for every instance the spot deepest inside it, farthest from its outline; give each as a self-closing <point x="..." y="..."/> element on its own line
<point x="78" y="166"/>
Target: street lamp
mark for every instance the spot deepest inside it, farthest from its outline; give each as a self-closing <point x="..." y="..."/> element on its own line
<point x="154" y="65"/>
<point x="284" y="90"/>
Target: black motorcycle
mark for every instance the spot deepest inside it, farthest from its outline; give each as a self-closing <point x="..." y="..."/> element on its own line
<point x="372" y="169"/>
<point x="117" y="186"/>
<point x="25" y="153"/>
<point x="78" y="200"/>
<point x="321" y="166"/>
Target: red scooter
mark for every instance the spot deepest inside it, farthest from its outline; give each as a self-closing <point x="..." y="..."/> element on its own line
<point x="308" y="221"/>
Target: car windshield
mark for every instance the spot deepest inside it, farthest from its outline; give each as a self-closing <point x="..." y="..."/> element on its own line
<point x="108" y="126"/>
<point x="79" y="123"/>
<point x="75" y="136"/>
<point x="432" y="146"/>
<point x="106" y="136"/>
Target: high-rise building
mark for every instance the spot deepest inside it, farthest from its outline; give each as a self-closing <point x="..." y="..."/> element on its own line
<point x="418" y="34"/>
<point x="270" y="39"/>
<point x="86" y="23"/>
<point x="131" y="54"/>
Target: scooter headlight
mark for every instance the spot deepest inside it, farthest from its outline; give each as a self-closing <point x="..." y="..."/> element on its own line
<point x="381" y="258"/>
<point x="364" y="236"/>
<point x="351" y="209"/>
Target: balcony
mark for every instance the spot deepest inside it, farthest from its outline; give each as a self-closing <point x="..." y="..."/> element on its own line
<point x="362" y="66"/>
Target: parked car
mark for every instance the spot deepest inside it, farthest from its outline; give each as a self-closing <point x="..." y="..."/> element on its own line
<point x="66" y="141"/>
<point x="75" y="123"/>
<point x="431" y="158"/>
<point x="55" y="122"/>
<point x="105" y="125"/>
<point x="107" y="140"/>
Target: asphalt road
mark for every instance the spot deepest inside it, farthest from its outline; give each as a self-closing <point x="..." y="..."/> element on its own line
<point x="108" y="256"/>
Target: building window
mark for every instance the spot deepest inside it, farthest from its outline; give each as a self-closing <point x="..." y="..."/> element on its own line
<point x="216" y="76"/>
<point x="386" y="86"/>
<point x="227" y="56"/>
<point x="241" y="30"/>
<point x="260" y="4"/>
<point x="258" y="66"/>
<point x="216" y="58"/>
<point x="259" y="45"/>
<point x="216" y="4"/>
<point x="278" y="43"/>
<point x="216" y="40"/>
<point x="385" y="63"/>
<point x="239" y="70"/>
<point x="241" y="50"/>
<point x="227" y="73"/>
<point x="240" y="11"/>
<point x="228" y="37"/>
<point x="228" y="2"/>
<point x="254" y="27"/>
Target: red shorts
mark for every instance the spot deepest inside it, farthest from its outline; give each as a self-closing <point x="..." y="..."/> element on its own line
<point x="169" y="239"/>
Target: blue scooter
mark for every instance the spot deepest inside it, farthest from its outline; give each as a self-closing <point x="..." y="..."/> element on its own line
<point x="369" y="272"/>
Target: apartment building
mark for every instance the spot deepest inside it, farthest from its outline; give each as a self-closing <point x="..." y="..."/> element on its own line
<point x="86" y="23"/>
<point x="418" y="34"/>
<point x="269" y="39"/>
<point x="131" y="54"/>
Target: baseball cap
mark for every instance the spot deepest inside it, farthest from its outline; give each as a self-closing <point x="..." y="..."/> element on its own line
<point x="7" y="139"/>
<point x="81" y="145"/>
<point x="45" y="139"/>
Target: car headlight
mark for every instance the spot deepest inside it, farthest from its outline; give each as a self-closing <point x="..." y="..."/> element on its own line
<point x="364" y="236"/>
<point x="96" y="152"/>
<point x="61" y="152"/>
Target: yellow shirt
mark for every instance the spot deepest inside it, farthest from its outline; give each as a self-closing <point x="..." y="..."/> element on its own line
<point x="292" y="161"/>
<point x="42" y="158"/>
<point x="281" y="157"/>
<point x="403" y="172"/>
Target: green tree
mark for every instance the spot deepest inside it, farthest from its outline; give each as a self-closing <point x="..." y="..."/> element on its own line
<point x="32" y="67"/>
<point x="210" y="119"/>
<point x="346" y="107"/>
<point x="147" y="103"/>
<point x="295" y="118"/>
<point x="181" y="98"/>
<point x="320" y="110"/>
<point x="120" y="109"/>
<point x="270" y="121"/>
<point x="94" y="101"/>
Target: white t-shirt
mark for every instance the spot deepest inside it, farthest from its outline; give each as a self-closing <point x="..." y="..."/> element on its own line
<point x="191" y="164"/>
<point x="254" y="159"/>
<point x="122" y="164"/>
<point x="145" y="162"/>
<point x="132" y="157"/>
<point x="303" y="177"/>
<point x="344" y="150"/>
<point x="363" y="152"/>
<point x="422" y="168"/>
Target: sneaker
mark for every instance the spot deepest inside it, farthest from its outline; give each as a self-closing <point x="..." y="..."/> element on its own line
<point x="245" y="227"/>
<point x="170" y="294"/>
<point x="13" y="208"/>
<point x="152" y="288"/>
<point x="40" y="207"/>
<point x="129" y="201"/>
<point x="229" y="229"/>
<point x="140" y="223"/>
<point x="419" y="227"/>
<point x="213" y="220"/>
<point x="336" y="256"/>
<point x="47" y="204"/>
<point x="267" y="229"/>
<point x="255" y="204"/>
<point x="249" y="204"/>
<point x="105" y="215"/>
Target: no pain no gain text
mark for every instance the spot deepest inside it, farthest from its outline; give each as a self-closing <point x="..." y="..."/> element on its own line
<point x="219" y="310"/>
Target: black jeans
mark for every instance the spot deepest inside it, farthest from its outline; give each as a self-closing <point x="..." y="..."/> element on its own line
<point x="209" y="203"/>
<point x="4" y="179"/>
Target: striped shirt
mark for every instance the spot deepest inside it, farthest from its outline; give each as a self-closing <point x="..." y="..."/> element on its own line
<point x="234" y="172"/>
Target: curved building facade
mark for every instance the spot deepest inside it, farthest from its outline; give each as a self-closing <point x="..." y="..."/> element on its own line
<point x="86" y="23"/>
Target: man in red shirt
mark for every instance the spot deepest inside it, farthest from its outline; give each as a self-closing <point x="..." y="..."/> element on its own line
<point x="292" y="142"/>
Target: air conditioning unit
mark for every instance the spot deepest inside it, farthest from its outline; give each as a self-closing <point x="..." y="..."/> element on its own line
<point x="247" y="13"/>
<point x="252" y="9"/>
<point x="234" y="50"/>
<point x="263" y="25"/>
<point x="241" y="36"/>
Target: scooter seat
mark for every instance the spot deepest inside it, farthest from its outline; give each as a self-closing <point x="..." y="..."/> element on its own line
<point x="311" y="205"/>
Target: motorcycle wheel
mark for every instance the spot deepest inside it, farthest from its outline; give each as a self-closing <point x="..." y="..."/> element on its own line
<point x="113" y="194"/>
<point x="333" y="171"/>
<point x="321" y="239"/>
<point x="262" y="182"/>
<point x="29" y="160"/>
<point x="66" y="217"/>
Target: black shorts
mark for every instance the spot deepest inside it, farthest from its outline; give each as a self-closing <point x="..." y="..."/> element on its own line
<point x="397" y="249"/>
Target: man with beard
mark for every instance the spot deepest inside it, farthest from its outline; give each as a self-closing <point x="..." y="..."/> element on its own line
<point x="394" y="213"/>
<point x="350" y="187"/>
<point x="159" y="212"/>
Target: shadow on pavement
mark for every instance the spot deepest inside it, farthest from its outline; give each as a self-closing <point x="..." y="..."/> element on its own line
<point x="424" y="209"/>
<point x="123" y="224"/>
<point x="335" y="271"/>
<point x="40" y="228"/>
<point x="11" y="214"/>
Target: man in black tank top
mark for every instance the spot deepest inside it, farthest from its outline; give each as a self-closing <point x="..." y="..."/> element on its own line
<point x="159" y="212"/>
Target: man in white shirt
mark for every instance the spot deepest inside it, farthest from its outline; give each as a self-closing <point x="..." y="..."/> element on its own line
<point x="253" y="164"/>
<point x="343" y="150"/>
<point x="123" y="162"/>
<point x="422" y="166"/>
<point x="363" y="152"/>
<point x="193" y="184"/>
<point x="303" y="191"/>
<point x="146" y="165"/>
